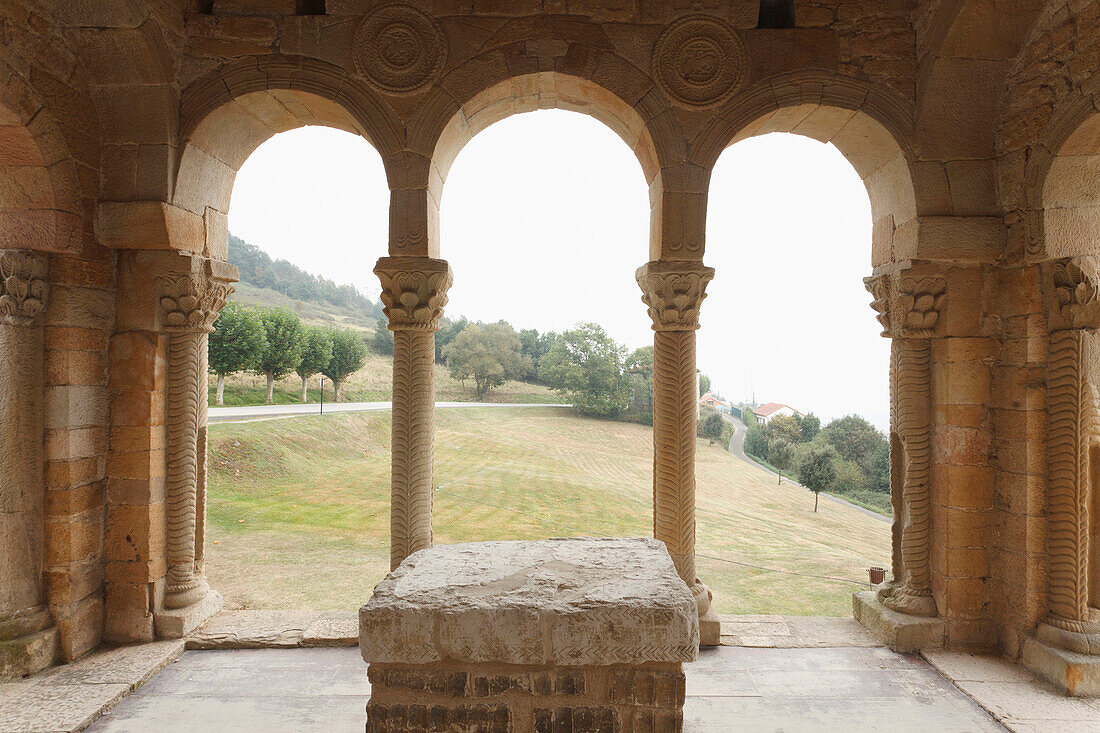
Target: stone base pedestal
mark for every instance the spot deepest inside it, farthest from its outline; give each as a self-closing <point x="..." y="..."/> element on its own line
<point x="28" y="654"/>
<point x="1073" y="673"/>
<point x="175" y="623"/>
<point x="508" y="697"/>
<point x="899" y="631"/>
<point x="710" y="628"/>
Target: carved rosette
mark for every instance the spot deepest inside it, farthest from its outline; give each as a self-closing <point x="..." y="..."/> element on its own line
<point x="673" y="292"/>
<point x="192" y="302"/>
<point x="908" y="309"/>
<point x="1073" y="429"/>
<point x="414" y="291"/>
<point x="23" y="286"/>
<point x="399" y="49"/>
<point x="699" y="61"/>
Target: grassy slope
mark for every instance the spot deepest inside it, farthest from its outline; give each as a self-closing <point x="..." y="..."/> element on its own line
<point x="299" y="509"/>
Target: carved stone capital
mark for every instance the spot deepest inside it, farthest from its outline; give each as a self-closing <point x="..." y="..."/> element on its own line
<point x="191" y="302"/>
<point x="1070" y="293"/>
<point x="674" y="291"/>
<point x="414" y="291"/>
<point x="907" y="306"/>
<point x="23" y="286"/>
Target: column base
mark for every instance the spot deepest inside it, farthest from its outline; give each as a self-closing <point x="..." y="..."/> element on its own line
<point x="710" y="628"/>
<point x="28" y="654"/>
<point x="1071" y="672"/>
<point x="899" y="631"/>
<point x="175" y="623"/>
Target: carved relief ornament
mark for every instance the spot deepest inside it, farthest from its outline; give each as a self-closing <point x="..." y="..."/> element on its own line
<point x="699" y="61"/>
<point x="192" y="302"/>
<point x="414" y="291"/>
<point x="674" y="291"/>
<point x="907" y="307"/>
<point x="1070" y="291"/>
<point x="23" y="286"/>
<point x="399" y="49"/>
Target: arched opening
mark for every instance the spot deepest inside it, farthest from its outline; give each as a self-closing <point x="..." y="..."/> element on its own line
<point x="1070" y="200"/>
<point x="802" y="204"/>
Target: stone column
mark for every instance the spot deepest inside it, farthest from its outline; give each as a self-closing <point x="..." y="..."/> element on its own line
<point x="189" y="304"/>
<point x="673" y="292"/>
<point x="414" y="291"/>
<point x="909" y="309"/>
<point x="1073" y="440"/>
<point x="28" y="642"/>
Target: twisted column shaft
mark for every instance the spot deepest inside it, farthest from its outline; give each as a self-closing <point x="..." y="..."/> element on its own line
<point x="413" y="434"/>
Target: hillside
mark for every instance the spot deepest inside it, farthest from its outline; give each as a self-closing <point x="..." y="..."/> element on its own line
<point x="299" y="509"/>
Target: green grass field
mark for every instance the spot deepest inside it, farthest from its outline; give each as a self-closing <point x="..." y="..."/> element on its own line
<point x="299" y="508"/>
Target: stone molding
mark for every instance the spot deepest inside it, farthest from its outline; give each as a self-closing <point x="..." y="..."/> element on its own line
<point x="699" y="61"/>
<point x="414" y="291"/>
<point x="399" y="49"/>
<point x="907" y="306"/>
<point x="674" y="292"/>
<point x="1070" y="293"/>
<point x="23" y="286"/>
<point x="191" y="303"/>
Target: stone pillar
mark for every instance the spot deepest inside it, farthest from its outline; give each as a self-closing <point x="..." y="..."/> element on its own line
<point x="189" y="305"/>
<point x="414" y="291"/>
<point x="28" y="641"/>
<point x="909" y="309"/>
<point x="673" y="291"/>
<point x="1072" y="622"/>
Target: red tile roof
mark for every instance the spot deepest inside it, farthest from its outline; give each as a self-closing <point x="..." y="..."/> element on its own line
<point x="771" y="407"/>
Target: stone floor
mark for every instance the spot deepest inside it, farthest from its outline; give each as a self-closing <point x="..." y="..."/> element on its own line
<point x="268" y="671"/>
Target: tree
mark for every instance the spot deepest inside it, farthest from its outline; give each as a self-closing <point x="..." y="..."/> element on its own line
<point x="315" y="355"/>
<point x="817" y="471"/>
<point x="854" y="438"/>
<point x="489" y="354"/>
<point x="785" y="427"/>
<point x="286" y="339"/>
<point x="780" y="455"/>
<point x="237" y="343"/>
<point x="445" y="335"/>
<point x="879" y="473"/>
<point x="711" y="425"/>
<point x="704" y="384"/>
<point x="810" y="425"/>
<point x="756" y="441"/>
<point x="639" y="377"/>
<point x="382" y="341"/>
<point x="587" y="364"/>
<point x="535" y="345"/>
<point x="349" y="353"/>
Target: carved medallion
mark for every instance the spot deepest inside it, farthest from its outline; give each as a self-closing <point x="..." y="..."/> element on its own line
<point x="699" y="61"/>
<point x="399" y="49"/>
<point x="22" y="286"/>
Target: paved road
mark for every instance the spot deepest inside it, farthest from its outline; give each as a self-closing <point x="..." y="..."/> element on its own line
<point x="260" y="412"/>
<point x="737" y="448"/>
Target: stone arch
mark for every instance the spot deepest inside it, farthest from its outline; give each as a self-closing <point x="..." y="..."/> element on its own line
<point x="513" y="77"/>
<point x="226" y="116"/>
<point x="872" y="131"/>
<point x="41" y="205"/>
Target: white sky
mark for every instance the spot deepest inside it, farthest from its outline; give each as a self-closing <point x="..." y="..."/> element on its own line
<point x="546" y="216"/>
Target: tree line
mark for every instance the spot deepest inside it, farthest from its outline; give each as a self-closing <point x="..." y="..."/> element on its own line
<point x="257" y="268"/>
<point x="274" y="342"/>
<point x="849" y="456"/>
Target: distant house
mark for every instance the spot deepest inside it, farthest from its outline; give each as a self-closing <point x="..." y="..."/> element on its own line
<point x="709" y="400"/>
<point x="765" y="413"/>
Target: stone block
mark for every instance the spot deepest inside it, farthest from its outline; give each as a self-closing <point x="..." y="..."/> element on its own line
<point x="1072" y="673"/>
<point x="901" y="632"/>
<point x="177" y="623"/>
<point x="26" y="655"/>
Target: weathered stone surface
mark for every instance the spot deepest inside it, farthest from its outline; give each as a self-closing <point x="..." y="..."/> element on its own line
<point x="129" y="665"/>
<point x="332" y="629"/>
<point x="28" y="654"/>
<point x="252" y="629"/>
<point x="561" y="601"/>
<point x="901" y="632"/>
<point x="1073" y="673"/>
<point x="42" y="708"/>
<point x="177" y="623"/>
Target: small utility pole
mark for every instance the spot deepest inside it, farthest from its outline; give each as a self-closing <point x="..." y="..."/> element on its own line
<point x="322" y="394"/>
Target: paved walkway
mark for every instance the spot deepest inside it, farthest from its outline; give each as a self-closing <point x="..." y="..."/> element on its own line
<point x="259" y="412"/>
